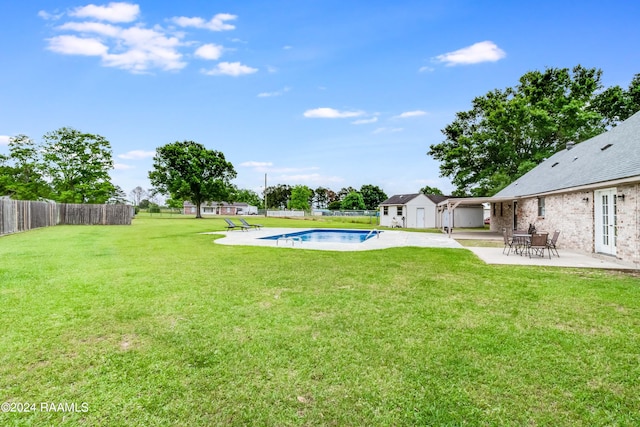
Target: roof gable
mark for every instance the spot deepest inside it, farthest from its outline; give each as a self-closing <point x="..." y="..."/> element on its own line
<point x="612" y="155"/>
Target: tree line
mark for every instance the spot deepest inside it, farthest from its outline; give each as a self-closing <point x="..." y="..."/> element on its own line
<point x="67" y="166"/>
<point x="187" y="170"/>
<point x="507" y="132"/>
<point x="283" y="196"/>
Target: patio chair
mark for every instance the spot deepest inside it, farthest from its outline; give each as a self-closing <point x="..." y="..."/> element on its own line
<point x="520" y="241"/>
<point x="508" y="242"/>
<point x="551" y="243"/>
<point x="231" y="225"/>
<point x="537" y="244"/>
<point x="257" y="226"/>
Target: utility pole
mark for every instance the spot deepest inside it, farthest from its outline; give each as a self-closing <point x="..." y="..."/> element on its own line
<point x="266" y="213"/>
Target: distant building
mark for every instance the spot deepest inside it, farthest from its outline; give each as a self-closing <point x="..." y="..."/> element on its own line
<point x="421" y="211"/>
<point x="220" y="208"/>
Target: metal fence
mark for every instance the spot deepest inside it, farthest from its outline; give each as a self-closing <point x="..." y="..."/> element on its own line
<point x="23" y="215"/>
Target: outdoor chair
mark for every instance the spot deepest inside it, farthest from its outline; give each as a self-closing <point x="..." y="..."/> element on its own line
<point x="257" y="226"/>
<point x="520" y="240"/>
<point x="551" y="243"/>
<point x="508" y="242"/>
<point x="537" y="244"/>
<point x="231" y="225"/>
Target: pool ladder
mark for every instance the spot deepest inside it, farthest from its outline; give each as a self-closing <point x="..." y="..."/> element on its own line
<point x="291" y="239"/>
<point x="375" y="230"/>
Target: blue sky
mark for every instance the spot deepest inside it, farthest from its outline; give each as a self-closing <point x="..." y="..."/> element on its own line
<point x="321" y="93"/>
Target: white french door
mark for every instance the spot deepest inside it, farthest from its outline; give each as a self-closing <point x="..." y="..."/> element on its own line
<point x="605" y="221"/>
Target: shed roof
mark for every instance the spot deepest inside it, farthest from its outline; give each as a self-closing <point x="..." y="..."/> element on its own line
<point x="400" y="199"/>
<point x="610" y="156"/>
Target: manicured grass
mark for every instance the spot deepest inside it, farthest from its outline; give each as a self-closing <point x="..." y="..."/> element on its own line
<point x="154" y="324"/>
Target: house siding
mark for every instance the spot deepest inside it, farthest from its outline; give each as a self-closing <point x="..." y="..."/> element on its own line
<point x="574" y="216"/>
<point x="568" y="213"/>
<point x="629" y="224"/>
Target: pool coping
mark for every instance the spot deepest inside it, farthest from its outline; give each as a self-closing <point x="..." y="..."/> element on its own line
<point x="386" y="239"/>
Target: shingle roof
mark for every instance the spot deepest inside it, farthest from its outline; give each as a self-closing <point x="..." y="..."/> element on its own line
<point x="609" y="156"/>
<point x="400" y="199"/>
<point x="437" y="198"/>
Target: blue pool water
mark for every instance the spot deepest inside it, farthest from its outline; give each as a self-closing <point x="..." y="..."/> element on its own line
<point x="327" y="236"/>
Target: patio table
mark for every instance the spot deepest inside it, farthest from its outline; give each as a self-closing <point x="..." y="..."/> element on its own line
<point x="521" y="241"/>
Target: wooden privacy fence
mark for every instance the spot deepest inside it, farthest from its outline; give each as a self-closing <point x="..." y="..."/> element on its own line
<point x="73" y="214"/>
<point x="23" y="215"/>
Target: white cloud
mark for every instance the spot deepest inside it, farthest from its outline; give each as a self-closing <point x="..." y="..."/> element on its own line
<point x="73" y="45"/>
<point x="50" y="16"/>
<point x="113" y="12"/>
<point x="485" y="51"/>
<point x="4" y="139"/>
<point x="217" y="23"/>
<point x="122" y="166"/>
<point x="209" y="51"/>
<point x="330" y="113"/>
<point x="276" y="93"/>
<point x="137" y="154"/>
<point x="426" y="69"/>
<point x="365" y="121"/>
<point x="100" y="28"/>
<point x="136" y="49"/>
<point x="234" y="69"/>
<point x="407" y="114"/>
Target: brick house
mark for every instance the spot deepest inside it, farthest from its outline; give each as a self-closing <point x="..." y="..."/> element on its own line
<point x="590" y="192"/>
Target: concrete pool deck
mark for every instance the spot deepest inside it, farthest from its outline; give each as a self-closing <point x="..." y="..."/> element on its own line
<point x="386" y="239"/>
<point x="394" y="238"/>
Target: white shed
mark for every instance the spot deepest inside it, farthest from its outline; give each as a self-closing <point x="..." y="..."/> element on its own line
<point x="410" y="210"/>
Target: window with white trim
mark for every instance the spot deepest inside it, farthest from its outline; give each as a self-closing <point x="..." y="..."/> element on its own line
<point x="540" y="206"/>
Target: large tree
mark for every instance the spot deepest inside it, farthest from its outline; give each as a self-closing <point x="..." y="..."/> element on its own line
<point x="344" y="192"/>
<point x="508" y="132"/>
<point x="77" y="164"/>
<point x="428" y="190"/>
<point x="372" y="196"/>
<point x="352" y="201"/>
<point x="24" y="179"/>
<point x="247" y="196"/>
<point x="278" y="196"/>
<point x="69" y="166"/>
<point x="301" y="197"/>
<point x="188" y="170"/>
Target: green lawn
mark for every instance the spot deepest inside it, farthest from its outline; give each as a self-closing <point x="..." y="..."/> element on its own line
<point x="154" y="324"/>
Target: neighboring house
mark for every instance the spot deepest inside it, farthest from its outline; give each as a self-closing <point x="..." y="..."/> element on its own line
<point x="590" y="192"/>
<point x="220" y="208"/>
<point x="421" y="211"/>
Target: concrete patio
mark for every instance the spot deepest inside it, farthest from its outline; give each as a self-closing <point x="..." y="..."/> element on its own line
<point x="567" y="258"/>
<point x="396" y="238"/>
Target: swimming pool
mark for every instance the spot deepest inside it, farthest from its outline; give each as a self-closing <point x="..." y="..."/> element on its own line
<point x="326" y="236"/>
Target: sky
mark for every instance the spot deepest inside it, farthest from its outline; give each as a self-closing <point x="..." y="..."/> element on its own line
<point x="323" y="93"/>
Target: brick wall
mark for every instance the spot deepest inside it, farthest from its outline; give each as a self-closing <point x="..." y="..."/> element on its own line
<point x="573" y="214"/>
<point x="628" y="223"/>
<point x="570" y="213"/>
